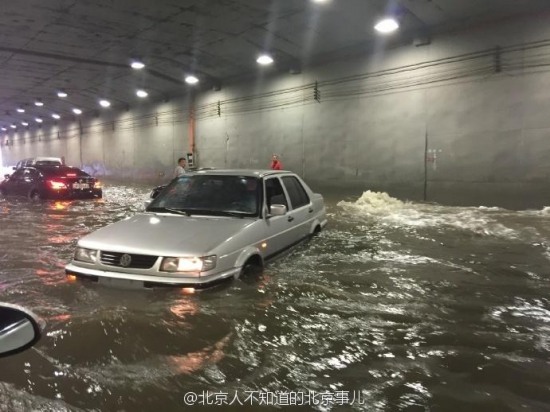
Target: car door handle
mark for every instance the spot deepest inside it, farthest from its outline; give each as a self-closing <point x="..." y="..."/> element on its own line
<point x="310" y="210"/>
<point x="290" y="219"/>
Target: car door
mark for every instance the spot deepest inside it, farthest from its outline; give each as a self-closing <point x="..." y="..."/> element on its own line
<point x="279" y="228"/>
<point x="12" y="184"/>
<point x="27" y="181"/>
<point x="301" y="209"/>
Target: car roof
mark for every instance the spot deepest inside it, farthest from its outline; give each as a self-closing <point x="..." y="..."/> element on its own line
<point x="39" y="158"/>
<point x="241" y="172"/>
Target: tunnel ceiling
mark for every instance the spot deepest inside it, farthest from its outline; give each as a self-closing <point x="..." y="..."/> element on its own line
<point x="84" y="47"/>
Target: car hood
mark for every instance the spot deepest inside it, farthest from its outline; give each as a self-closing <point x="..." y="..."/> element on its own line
<point x="165" y="235"/>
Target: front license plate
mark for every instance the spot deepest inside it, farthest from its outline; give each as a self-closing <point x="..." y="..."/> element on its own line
<point x="121" y="283"/>
<point x="80" y="186"/>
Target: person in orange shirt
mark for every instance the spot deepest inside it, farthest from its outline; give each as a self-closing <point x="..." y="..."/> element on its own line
<point x="276" y="163"/>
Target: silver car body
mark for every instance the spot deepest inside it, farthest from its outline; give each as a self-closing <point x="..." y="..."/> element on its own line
<point x="233" y="238"/>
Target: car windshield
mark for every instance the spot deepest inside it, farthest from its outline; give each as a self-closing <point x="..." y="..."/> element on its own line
<point x="219" y="195"/>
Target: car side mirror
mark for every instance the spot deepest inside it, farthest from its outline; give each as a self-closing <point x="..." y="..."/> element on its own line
<point x="6" y="176"/>
<point x="14" y="167"/>
<point x="155" y="192"/>
<point x="277" y="210"/>
<point x="19" y="329"/>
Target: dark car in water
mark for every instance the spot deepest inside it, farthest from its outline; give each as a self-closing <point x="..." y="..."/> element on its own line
<point x="51" y="182"/>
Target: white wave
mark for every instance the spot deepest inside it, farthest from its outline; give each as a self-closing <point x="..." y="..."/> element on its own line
<point x="394" y="212"/>
<point x="374" y="203"/>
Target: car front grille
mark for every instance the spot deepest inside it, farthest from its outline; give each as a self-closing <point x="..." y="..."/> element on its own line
<point x="135" y="261"/>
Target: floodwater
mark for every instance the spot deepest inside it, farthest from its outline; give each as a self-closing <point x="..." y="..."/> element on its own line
<point x="394" y="307"/>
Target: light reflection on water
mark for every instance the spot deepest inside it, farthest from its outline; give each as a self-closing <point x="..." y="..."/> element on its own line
<point x="409" y="305"/>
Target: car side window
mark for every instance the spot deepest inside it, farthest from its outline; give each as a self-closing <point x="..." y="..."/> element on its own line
<point x="28" y="174"/>
<point x="274" y="192"/>
<point x="296" y="192"/>
<point x="17" y="175"/>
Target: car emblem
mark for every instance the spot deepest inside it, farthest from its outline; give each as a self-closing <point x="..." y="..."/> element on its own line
<point x="125" y="260"/>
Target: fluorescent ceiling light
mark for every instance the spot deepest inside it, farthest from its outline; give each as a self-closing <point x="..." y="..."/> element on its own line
<point x="61" y="94"/>
<point x="386" y="25"/>
<point x="142" y="93"/>
<point x="24" y="123"/>
<point x="137" y="65"/>
<point x="4" y="129"/>
<point x="264" y="60"/>
<point x="39" y="103"/>
<point x="77" y="111"/>
<point x="104" y="103"/>
<point x="56" y="116"/>
<point x="38" y="120"/>
<point x="191" y="79"/>
<point x="20" y="110"/>
<point x="13" y="126"/>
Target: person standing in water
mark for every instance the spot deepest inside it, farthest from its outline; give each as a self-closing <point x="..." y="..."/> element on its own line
<point x="276" y="163"/>
<point x="180" y="168"/>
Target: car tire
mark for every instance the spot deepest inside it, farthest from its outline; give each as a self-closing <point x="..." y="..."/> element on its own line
<point x="250" y="270"/>
<point x="34" y="195"/>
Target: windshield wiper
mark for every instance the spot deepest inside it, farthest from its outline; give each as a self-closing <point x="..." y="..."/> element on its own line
<point x="169" y="210"/>
<point x="211" y="212"/>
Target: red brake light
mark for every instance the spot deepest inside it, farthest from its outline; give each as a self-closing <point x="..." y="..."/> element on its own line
<point x="57" y="185"/>
<point x="71" y="174"/>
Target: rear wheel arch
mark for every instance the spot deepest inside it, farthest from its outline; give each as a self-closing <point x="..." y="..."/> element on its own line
<point x="34" y="194"/>
<point x="315" y="228"/>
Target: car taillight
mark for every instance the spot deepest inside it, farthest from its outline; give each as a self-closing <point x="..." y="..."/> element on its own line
<point x="54" y="184"/>
<point x="97" y="184"/>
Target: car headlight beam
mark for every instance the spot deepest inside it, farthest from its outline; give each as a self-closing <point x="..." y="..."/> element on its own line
<point x="188" y="264"/>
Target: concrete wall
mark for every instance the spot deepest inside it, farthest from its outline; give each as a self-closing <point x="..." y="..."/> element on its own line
<point x="417" y="122"/>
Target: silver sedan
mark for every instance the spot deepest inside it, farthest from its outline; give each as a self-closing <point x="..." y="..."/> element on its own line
<point x="202" y="228"/>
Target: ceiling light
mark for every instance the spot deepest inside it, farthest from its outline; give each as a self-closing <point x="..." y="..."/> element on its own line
<point x="386" y="25"/>
<point x="4" y="129"/>
<point x="142" y="93"/>
<point x="24" y="124"/>
<point x="77" y="111"/>
<point x="104" y="103"/>
<point x="264" y="60"/>
<point x="20" y="110"/>
<point x="39" y="103"/>
<point x="191" y="79"/>
<point x="13" y="126"/>
<point x="61" y="94"/>
<point x="38" y="120"/>
<point x="137" y="65"/>
<point x="56" y="116"/>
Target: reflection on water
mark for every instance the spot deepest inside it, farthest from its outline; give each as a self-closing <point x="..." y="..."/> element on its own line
<point x="403" y="306"/>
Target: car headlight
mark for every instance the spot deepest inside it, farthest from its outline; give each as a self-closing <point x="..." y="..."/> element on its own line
<point x="188" y="264"/>
<point x="85" y="255"/>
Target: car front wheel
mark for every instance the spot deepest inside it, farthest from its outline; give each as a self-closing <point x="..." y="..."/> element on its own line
<point x="251" y="269"/>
